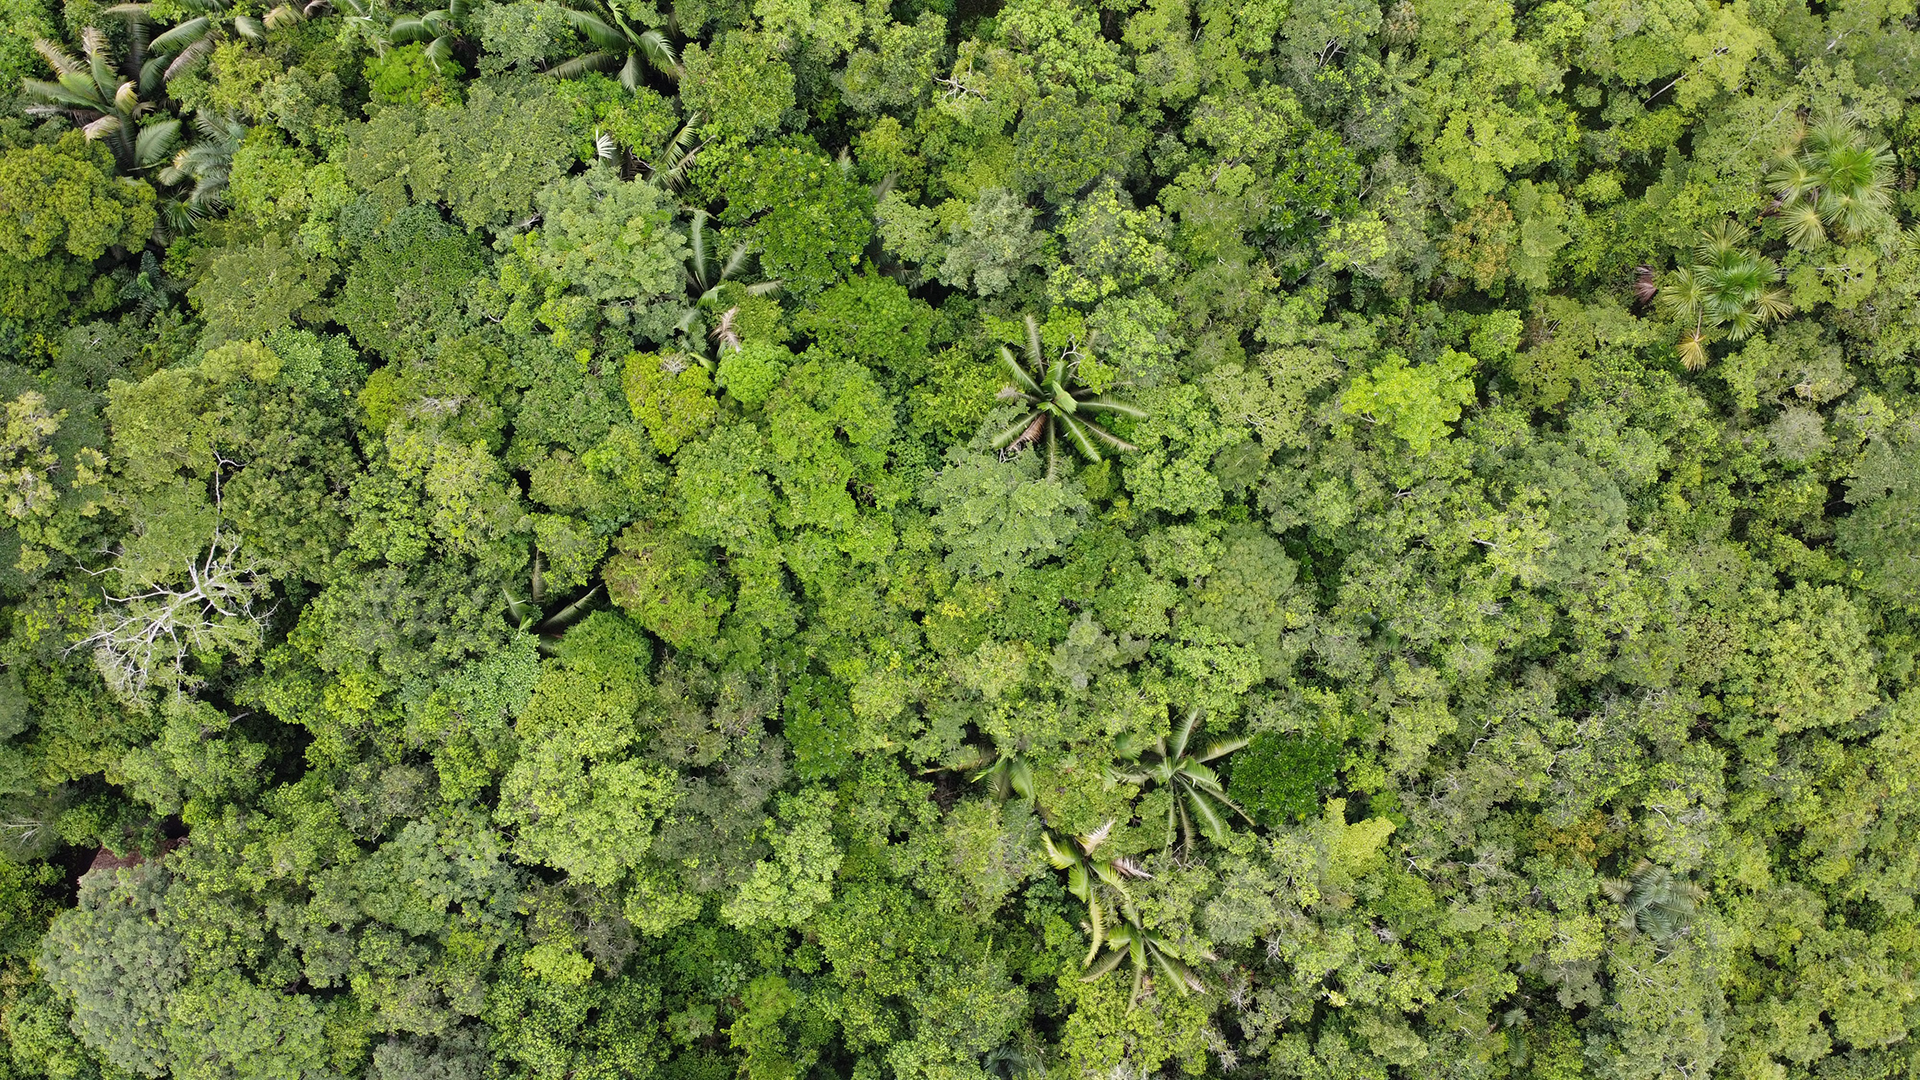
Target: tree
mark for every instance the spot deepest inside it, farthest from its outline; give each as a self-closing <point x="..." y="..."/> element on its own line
<point x="1882" y="533"/>
<point x="114" y="961"/>
<point x="1284" y="777"/>
<point x="1196" y="794"/>
<point x="153" y="636"/>
<point x="1833" y="178"/>
<point x="788" y="886"/>
<point x="996" y="244"/>
<point x="1054" y="401"/>
<point x="1063" y="145"/>
<point x="805" y="215"/>
<point x="108" y="100"/>
<point x="1415" y="403"/>
<point x="1728" y="291"/>
<point x="606" y="253"/>
<point x="60" y="209"/>
<point x="617" y="43"/>
<point x="742" y="88"/>
<point x="996" y="517"/>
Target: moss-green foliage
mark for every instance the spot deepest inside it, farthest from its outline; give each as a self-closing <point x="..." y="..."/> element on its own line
<point x="62" y="208"/>
<point x="522" y="556"/>
<point x="809" y="219"/>
<point x="1280" y="778"/>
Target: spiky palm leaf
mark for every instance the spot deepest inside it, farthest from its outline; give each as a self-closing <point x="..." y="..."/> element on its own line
<point x="1151" y="955"/>
<point x="668" y="169"/>
<point x="1655" y="900"/>
<point x="706" y="273"/>
<point x="150" y="288"/>
<point x="1058" y="407"/>
<point x="208" y="161"/>
<point x="1098" y="882"/>
<point x="440" y="29"/>
<point x="530" y="616"/>
<point x="187" y="43"/>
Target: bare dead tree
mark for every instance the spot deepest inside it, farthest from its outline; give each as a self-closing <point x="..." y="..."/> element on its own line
<point x="151" y="635"/>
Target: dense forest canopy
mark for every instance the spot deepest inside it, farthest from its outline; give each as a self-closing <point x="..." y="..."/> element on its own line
<point x="959" y="539"/>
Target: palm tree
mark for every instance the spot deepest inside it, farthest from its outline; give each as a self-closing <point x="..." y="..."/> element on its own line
<point x="1195" y="789"/>
<point x="1150" y="951"/>
<point x="529" y="616"/>
<point x="1728" y="291"/>
<point x="1057" y="402"/>
<point x="439" y="29"/>
<point x="1833" y="178"/>
<point x="1657" y="901"/>
<point x="1113" y="919"/>
<point x="206" y="162"/>
<point x="190" y="42"/>
<point x="706" y="273"/>
<point x="150" y="288"/>
<point x="365" y="20"/>
<point x="617" y="44"/>
<point x="1007" y="772"/>
<point x="106" y="100"/>
<point x="1099" y="883"/>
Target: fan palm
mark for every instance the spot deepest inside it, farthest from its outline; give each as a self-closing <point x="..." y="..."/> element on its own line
<point x="617" y="44"/>
<point x="1728" y="291"/>
<point x="106" y="100"/>
<point x="1833" y="179"/>
<point x="1056" y="402"/>
<point x="1197" y="795"/>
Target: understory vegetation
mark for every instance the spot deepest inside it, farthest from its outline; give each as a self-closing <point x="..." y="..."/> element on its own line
<point x="959" y="539"/>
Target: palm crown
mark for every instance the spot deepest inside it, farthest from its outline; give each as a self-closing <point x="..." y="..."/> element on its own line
<point x="1057" y="403"/>
<point x="1113" y="919"/>
<point x="107" y="100"/>
<point x="1727" y="291"/>
<point x="1834" y="179"/>
<point x="618" y="44"/>
<point x="706" y="273"/>
<point x="1196" y="792"/>
<point x="191" y="41"/>
<point x="439" y="29"/>
<point x="1655" y="899"/>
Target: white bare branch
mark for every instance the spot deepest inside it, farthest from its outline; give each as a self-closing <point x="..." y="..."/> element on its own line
<point x="151" y="635"/>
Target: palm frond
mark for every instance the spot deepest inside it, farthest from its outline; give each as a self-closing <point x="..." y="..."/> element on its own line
<point x="155" y="142"/>
<point x="57" y="58"/>
<point x="188" y="58"/>
<point x="581" y="65"/>
<point x="1020" y="377"/>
